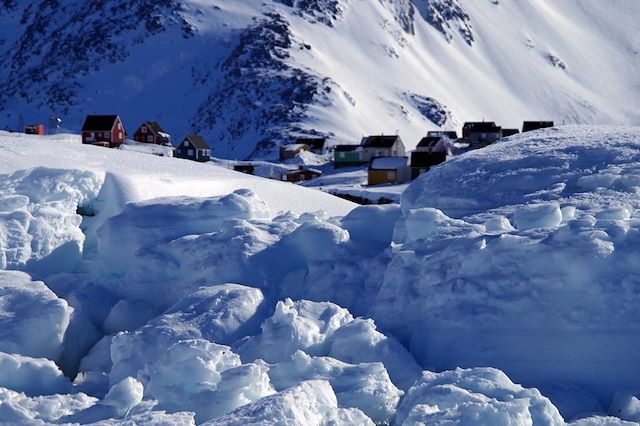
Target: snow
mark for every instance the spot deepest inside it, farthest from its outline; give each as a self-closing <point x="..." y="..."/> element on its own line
<point x="139" y="177"/>
<point x="33" y="320"/>
<point x="220" y="314"/>
<point x="365" y="386"/>
<point x="33" y="376"/>
<point x="474" y="396"/>
<point x="485" y="297"/>
<point x="358" y="223"/>
<point x="197" y="375"/>
<point x="388" y="163"/>
<point x="311" y="403"/>
<point x="550" y="295"/>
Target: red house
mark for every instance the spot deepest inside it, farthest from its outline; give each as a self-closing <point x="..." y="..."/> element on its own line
<point x="103" y="130"/>
<point x="151" y="132"/>
<point x="34" y="129"/>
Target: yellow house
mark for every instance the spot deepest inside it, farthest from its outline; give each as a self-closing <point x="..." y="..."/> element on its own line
<point x="389" y="170"/>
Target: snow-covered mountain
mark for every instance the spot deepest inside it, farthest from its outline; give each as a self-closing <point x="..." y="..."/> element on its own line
<point x="250" y="74"/>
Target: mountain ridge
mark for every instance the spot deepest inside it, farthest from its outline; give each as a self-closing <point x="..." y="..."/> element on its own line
<point x="251" y="75"/>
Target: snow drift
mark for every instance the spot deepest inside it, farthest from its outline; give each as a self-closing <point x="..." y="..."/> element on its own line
<point x="487" y="296"/>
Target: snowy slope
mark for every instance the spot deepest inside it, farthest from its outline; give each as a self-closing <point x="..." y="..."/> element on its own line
<point x="152" y="290"/>
<point x="139" y="176"/>
<point x="249" y="75"/>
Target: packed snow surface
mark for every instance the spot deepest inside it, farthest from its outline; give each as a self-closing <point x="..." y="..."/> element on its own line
<point x="502" y="290"/>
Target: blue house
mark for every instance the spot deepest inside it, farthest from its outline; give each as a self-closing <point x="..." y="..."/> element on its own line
<point x="193" y="147"/>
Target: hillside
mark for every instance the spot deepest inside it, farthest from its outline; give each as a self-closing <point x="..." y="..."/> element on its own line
<point x="249" y="75"/>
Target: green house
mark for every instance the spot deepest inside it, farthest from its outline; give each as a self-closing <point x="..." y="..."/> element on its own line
<point x="347" y="155"/>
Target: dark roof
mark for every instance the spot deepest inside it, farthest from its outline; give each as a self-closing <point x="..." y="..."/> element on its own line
<point x="451" y="134"/>
<point x="198" y="142"/>
<point x="316" y="143"/>
<point x="381" y="141"/>
<point x="153" y="125"/>
<point x="98" y="122"/>
<point x="535" y="125"/>
<point x="481" y="126"/>
<point x="509" y="132"/>
<point x="427" y="159"/>
<point x="302" y="172"/>
<point x="346" y="148"/>
<point x="428" y="141"/>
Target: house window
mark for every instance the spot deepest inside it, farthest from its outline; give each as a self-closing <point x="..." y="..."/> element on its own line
<point x="107" y="135"/>
<point x="341" y="155"/>
<point x="190" y="152"/>
<point x="391" y="175"/>
<point x="150" y="138"/>
<point x="119" y="125"/>
<point x="185" y="143"/>
<point x="143" y="129"/>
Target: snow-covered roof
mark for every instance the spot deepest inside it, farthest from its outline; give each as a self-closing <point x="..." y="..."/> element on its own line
<point x="388" y="163"/>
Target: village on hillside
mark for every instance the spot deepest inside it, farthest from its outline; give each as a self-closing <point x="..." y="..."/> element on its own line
<point x="384" y="157"/>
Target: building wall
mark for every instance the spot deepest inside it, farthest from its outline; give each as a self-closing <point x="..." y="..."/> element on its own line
<point x="349" y="157"/>
<point x="190" y="152"/>
<point x="378" y="177"/>
<point x="369" y="153"/>
<point x="477" y="140"/>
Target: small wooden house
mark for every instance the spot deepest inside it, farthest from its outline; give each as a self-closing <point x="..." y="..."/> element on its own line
<point x="316" y="145"/>
<point x="382" y="146"/>
<point x="249" y="169"/>
<point x="151" y="132"/>
<point x="389" y="170"/>
<point x="291" y="150"/>
<point x="300" y="175"/>
<point x="347" y="156"/>
<point x="193" y="147"/>
<point x="34" y="129"/>
<point x="480" y="133"/>
<point x="103" y="130"/>
<point x="509" y="132"/>
<point x="528" y="126"/>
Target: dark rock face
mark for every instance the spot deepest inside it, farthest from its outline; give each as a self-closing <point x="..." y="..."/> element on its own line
<point x="324" y="11"/>
<point x="431" y="109"/>
<point x="446" y="16"/>
<point x="256" y="96"/>
<point x="63" y="40"/>
<point x="260" y="99"/>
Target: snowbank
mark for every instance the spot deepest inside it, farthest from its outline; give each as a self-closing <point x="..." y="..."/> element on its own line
<point x="118" y="402"/>
<point x="139" y="176"/>
<point x="472" y="397"/>
<point x="33" y="376"/>
<point x="200" y="376"/>
<point x="220" y="314"/>
<point x="311" y="403"/>
<point x="522" y="256"/>
<point x="372" y="223"/>
<point x="18" y="408"/>
<point x="363" y="386"/>
<point x="33" y="320"/>
<point x="38" y="216"/>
